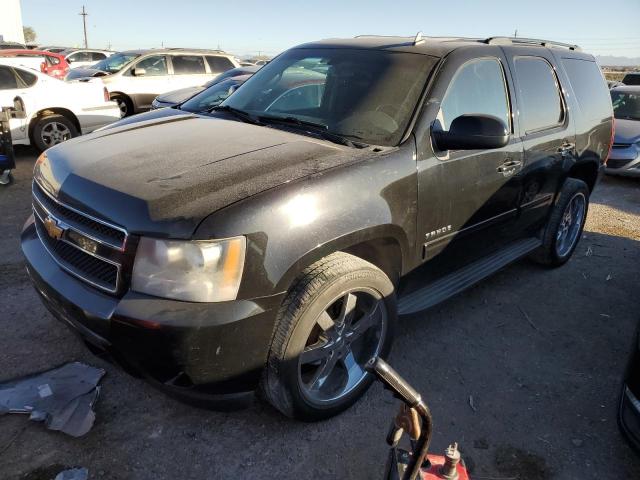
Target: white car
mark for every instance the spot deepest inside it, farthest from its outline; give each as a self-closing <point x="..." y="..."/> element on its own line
<point x="84" y="57"/>
<point x="54" y="111"/>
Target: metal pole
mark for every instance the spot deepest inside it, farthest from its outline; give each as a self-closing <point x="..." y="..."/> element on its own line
<point x="84" y="24"/>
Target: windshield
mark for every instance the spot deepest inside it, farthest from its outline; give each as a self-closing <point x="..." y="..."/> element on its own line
<point x="212" y="96"/>
<point x="626" y="105"/>
<point x="368" y="95"/>
<point x="115" y="63"/>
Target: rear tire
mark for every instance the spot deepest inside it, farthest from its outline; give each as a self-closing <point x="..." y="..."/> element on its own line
<point x="564" y="228"/>
<point x="51" y="130"/>
<point x="124" y="104"/>
<point x="342" y="310"/>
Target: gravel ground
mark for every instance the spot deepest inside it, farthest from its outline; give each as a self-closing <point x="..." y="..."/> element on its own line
<point x="524" y="371"/>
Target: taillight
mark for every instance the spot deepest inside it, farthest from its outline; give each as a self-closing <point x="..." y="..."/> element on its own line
<point x="613" y="135"/>
<point x="106" y="94"/>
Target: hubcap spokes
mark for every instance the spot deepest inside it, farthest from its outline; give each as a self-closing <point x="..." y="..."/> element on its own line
<point x="54" y="133"/>
<point x="570" y="224"/>
<point x="347" y="334"/>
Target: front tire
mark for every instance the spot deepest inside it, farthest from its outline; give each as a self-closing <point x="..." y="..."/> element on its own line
<point x="564" y="228"/>
<point x="124" y="104"/>
<point x="340" y="312"/>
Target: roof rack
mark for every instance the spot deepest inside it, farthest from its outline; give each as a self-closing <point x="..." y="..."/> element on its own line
<point x="194" y="49"/>
<point x="529" y="41"/>
<point x="419" y="38"/>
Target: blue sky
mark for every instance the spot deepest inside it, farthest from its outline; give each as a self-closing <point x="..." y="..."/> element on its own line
<point x="249" y="27"/>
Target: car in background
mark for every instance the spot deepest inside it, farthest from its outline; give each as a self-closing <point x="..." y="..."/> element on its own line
<point x="84" y="57"/>
<point x="11" y="45"/>
<point x="53" y="49"/>
<point x="176" y="97"/>
<point x="50" y="63"/>
<point x="632" y="78"/>
<point x="153" y="72"/>
<point x="629" y="410"/>
<point x="614" y="83"/>
<point x="109" y="65"/>
<point x="54" y="111"/>
<point x="625" y="153"/>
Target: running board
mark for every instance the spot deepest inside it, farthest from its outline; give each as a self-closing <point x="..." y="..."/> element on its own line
<point x="455" y="282"/>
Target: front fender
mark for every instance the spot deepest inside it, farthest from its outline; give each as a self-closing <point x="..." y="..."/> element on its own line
<point x="296" y="224"/>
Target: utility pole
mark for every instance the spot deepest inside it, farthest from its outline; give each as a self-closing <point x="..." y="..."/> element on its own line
<point x="515" y="34"/>
<point x="84" y="24"/>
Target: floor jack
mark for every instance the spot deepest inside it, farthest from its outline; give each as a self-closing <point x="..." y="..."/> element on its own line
<point x="7" y="159"/>
<point x="414" y="419"/>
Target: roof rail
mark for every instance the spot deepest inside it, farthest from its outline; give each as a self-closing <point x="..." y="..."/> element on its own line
<point x="529" y="41"/>
<point x="194" y="49"/>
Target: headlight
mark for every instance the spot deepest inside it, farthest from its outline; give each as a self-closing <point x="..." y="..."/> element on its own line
<point x="195" y="271"/>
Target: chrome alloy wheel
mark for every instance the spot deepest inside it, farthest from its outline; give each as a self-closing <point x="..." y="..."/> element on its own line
<point x="569" y="228"/>
<point x="349" y="332"/>
<point x="54" y="133"/>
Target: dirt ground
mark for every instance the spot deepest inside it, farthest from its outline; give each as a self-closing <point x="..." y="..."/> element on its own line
<point x="524" y="371"/>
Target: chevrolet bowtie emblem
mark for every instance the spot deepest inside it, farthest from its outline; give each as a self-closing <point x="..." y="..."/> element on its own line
<point x="52" y="228"/>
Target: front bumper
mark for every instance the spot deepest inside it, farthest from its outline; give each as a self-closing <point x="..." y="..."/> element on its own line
<point x="624" y="160"/>
<point x="193" y="350"/>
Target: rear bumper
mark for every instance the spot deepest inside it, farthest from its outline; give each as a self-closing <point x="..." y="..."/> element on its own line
<point x="624" y="161"/>
<point x="201" y="351"/>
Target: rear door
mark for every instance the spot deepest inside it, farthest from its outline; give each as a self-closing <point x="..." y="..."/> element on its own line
<point x="146" y="86"/>
<point x="188" y="71"/>
<point x="547" y="133"/>
<point x="16" y="83"/>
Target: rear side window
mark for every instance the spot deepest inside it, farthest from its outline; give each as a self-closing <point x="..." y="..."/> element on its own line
<point x="24" y="78"/>
<point x="219" y="64"/>
<point x="7" y="79"/>
<point x="477" y="87"/>
<point x="97" y="56"/>
<point x="52" y="60"/>
<point x="80" y="57"/>
<point x="589" y="87"/>
<point x="540" y="100"/>
<point x="188" y="64"/>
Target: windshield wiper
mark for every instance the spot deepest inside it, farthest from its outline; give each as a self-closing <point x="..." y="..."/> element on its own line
<point x="242" y="115"/>
<point x="318" y="128"/>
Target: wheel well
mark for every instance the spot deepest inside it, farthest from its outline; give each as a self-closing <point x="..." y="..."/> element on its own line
<point x="68" y="114"/>
<point x="384" y="253"/>
<point x="587" y="172"/>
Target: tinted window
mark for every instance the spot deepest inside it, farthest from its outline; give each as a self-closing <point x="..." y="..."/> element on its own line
<point x="97" y="56"/>
<point x="52" y="60"/>
<point x="24" y="78"/>
<point x="7" y="78"/>
<point x="589" y="87"/>
<point x="626" y="105"/>
<point x="116" y="62"/>
<point x="210" y="97"/>
<point x="188" y="64"/>
<point x="219" y="64"/>
<point x="478" y="87"/>
<point x="540" y="101"/>
<point x="368" y="95"/>
<point x="631" y="79"/>
<point x="154" y="66"/>
<point x="80" y="57"/>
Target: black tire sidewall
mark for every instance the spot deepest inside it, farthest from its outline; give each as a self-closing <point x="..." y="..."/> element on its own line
<point x="128" y="103"/>
<point x="364" y="278"/>
<point x="42" y="122"/>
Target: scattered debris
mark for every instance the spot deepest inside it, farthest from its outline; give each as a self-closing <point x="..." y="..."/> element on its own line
<point x="584" y="276"/>
<point x="73" y="474"/>
<point x="524" y="314"/>
<point x="605" y="315"/>
<point x="62" y="398"/>
<point x="609" y="277"/>
<point x="577" y="442"/>
<point x="473" y="407"/>
<point x="589" y="251"/>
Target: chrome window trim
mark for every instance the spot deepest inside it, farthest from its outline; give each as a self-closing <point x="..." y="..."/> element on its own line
<point x="120" y="248"/>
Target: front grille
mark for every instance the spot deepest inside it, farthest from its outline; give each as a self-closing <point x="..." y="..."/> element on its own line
<point x="90" y="226"/>
<point x="84" y="246"/>
<point x="618" y="162"/>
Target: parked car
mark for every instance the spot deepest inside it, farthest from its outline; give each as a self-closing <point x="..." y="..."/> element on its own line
<point x="52" y="64"/>
<point x="632" y="78"/>
<point x="153" y="72"/>
<point x="53" y="49"/>
<point x="11" y="45"/>
<point x="265" y="245"/>
<point x="625" y="154"/>
<point x="109" y="65"/>
<point x="613" y="83"/>
<point x="176" y="97"/>
<point x="83" y="57"/>
<point x="629" y="410"/>
<point x="55" y="111"/>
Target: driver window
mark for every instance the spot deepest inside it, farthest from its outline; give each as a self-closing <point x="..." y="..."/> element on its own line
<point x="153" y="65"/>
<point x="477" y="87"/>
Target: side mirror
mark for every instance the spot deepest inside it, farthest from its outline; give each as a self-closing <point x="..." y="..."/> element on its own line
<point x="139" y="72"/>
<point x="18" y="110"/>
<point x="473" y="132"/>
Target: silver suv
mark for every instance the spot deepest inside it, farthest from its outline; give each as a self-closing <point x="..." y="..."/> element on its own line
<point x="138" y="76"/>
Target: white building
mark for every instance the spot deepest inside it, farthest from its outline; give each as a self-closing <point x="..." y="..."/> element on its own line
<point x="11" y="21"/>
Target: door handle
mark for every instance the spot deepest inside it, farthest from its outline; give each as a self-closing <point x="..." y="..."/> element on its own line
<point x="509" y="167"/>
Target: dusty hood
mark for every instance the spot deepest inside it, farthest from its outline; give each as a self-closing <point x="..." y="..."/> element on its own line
<point x="627" y="131"/>
<point x="164" y="176"/>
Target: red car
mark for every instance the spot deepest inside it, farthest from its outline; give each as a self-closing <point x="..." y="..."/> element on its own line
<point x="54" y="65"/>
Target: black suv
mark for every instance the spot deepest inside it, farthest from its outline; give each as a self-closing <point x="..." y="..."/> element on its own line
<point x="263" y="245"/>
